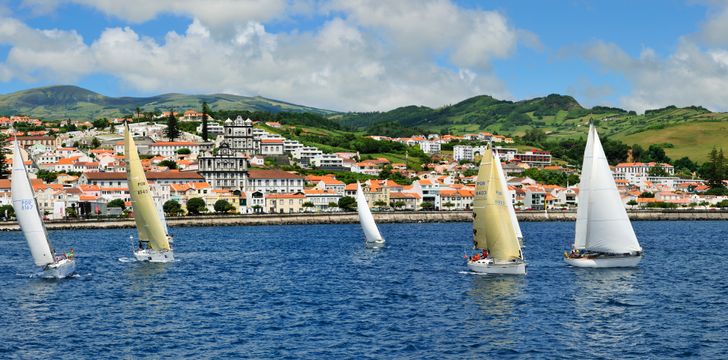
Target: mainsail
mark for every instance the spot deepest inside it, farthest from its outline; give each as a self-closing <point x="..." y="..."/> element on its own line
<point x="147" y="219"/>
<point x="371" y="232"/>
<point x="493" y="228"/>
<point x="27" y="213"/>
<point x="511" y="210"/>
<point x="602" y="221"/>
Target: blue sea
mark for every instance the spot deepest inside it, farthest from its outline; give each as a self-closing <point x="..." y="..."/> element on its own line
<point x="314" y="291"/>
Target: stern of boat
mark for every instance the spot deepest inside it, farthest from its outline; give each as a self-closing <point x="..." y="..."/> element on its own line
<point x="60" y="269"/>
<point x="155" y="256"/>
<point x="604" y="261"/>
<point x="488" y="266"/>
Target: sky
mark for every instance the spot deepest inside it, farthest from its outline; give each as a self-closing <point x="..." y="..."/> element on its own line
<point x="367" y="55"/>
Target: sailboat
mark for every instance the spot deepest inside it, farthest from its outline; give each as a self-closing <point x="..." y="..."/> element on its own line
<point x="28" y="215"/>
<point x="154" y="241"/>
<point x="371" y="232"/>
<point x="604" y="234"/>
<point x="495" y="227"/>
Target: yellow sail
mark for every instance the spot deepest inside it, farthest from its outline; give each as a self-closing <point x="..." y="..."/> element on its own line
<point x="147" y="219"/>
<point x="492" y="228"/>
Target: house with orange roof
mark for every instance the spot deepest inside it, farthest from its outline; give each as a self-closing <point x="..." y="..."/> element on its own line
<point x="452" y="199"/>
<point x="405" y="200"/>
<point x="535" y="197"/>
<point x="271" y="147"/>
<point x="427" y="189"/>
<point x="322" y="199"/>
<point x="285" y="203"/>
<point x="331" y="184"/>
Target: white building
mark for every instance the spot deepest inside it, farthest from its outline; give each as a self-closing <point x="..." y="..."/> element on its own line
<point x="327" y="161"/>
<point x="170" y="148"/>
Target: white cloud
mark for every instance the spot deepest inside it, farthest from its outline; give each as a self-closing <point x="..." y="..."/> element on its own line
<point x="471" y="37"/>
<point x="367" y="56"/>
<point x="689" y="76"/>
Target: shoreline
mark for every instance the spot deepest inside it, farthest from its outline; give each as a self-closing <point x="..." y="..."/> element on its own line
<point x="351" y="217"/>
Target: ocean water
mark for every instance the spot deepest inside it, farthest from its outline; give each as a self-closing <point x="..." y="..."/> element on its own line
<point x="316" y="292"/>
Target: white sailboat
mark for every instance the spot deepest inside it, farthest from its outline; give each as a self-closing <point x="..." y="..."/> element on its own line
<point x="371" y="232"/>
<point x="154" y="241"/>
<point x="604" y="234"/>
<point x="31" y="223"/>
<point x="495" y="227"/>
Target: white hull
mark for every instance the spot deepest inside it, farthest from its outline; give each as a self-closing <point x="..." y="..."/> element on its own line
<point x="604" y="262"/>
<point x="155" y="256"/>
<point x="375" y="243"/>
<point x="59" y="269"/>
<point x="487" y="266"/>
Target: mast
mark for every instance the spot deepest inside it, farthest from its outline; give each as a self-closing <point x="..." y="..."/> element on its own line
<point x="147" y="219"/>
<point x="371" y="232"/>
<point x="493" y="229"/>
<point x="27" y="212"/>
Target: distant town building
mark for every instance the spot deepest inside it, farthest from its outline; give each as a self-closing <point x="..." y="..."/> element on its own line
<point x="225" y="170"/>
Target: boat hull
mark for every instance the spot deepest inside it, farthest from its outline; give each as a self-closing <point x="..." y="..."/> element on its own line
<point x="375" y="243"/>
<point x="604" y="262"/>
<point x="487" y="266"/>
<point x="155" y="256"/>
<point x="60" y="269"/>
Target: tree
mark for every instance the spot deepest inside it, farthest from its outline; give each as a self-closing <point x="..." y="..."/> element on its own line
<point x="116" y="203"/>
<point x="428" y="206"/>
<point x="347" y="203"/>
<point x="714" y="170"/>
<point x="308" y="205"/>
<point x="657" y="171"/>
<point x="205" y="112"/>
<point x="95" y="143"/>
<point x="222" y="206"/>
<point x="534" y="136"/>
<point x="632" y="202"/>
<point x="195" y="206"/>
<point x="380" y="204"/>
<point x="138" y="112"/>
<point x="448" y="205"/>
<point x="647" y="194"/>
<point x="7" y="212"/>
<point x="169" y="164"/>
<point x="47" y="176"/>
<point x="172" y="131"/>
<point x="333" y="205"/>
<point x="101" y="123"/>
<point x="71" y="212"/>
<point x="184" y="151"/>
<point x="399" y="204"/>
<point x="172" y="207"/>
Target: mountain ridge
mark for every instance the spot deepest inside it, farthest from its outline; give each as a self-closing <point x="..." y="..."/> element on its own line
<point x="58" y="102"/>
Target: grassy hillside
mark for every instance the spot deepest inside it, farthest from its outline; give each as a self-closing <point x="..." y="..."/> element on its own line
<point x="62" y="102"/>
<point x="690" y="131"/>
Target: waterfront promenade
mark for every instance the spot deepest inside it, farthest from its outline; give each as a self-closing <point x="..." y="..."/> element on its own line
<point x="351" y="217"/>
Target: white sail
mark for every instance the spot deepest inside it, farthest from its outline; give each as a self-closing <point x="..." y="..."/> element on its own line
<point x="507" y="193"/>
<point x="160" y="211"/>
<point x="582" y="210"/>
<point x="371" y="232"/>
<point x="608" y="228"/>
<point x="26" y="211"/>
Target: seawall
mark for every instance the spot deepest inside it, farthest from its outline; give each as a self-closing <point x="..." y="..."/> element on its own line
<point x="351" y="217"/>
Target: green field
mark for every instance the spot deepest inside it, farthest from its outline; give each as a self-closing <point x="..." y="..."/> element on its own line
<point x="694" y="139"/>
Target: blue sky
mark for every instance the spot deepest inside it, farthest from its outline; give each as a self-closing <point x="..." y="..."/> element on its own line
<point x="372" y="55"/>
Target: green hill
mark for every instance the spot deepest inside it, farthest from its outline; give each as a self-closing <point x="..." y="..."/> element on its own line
<point x="65" y="101"/>
<point x="690" y="131"/>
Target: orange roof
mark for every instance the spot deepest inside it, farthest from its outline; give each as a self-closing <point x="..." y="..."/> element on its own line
<point x="350" y="187"/>
<point x="88" y="197"/>
<point x="646" y="200"/>
<point x="84" y="187"/>
<point x="318" y="192"/>
<point x="425" y="182"/>
<point x="271" y="141"/>
<point x="331" y="181"/>
<point x="5" y="184"/>
<point x="403" y="195"/>
<point x="114" y="189"/>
